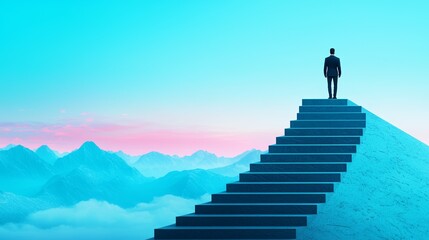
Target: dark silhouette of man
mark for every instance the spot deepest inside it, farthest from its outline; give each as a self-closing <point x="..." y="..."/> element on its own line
<point x="332" y="71"/>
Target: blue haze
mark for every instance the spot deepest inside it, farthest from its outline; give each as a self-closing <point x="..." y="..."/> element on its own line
<point x="96" y="194"/>
<point x="109" y="58"/>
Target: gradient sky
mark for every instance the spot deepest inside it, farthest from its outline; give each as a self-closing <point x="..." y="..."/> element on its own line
<point x="222" y="75"/>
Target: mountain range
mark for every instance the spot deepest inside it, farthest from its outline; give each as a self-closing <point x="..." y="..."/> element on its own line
<point x="242" y="165"/>
<point x="31" y="181"/>
<point x="156" y="164"/>
<point x="188" y="183"/>
<point x="90" y="172"/>
<point x="130" y="159"/>
<point x="22" y="171"/>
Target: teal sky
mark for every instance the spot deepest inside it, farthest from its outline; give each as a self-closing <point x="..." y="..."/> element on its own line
<point x="223" y="76"/>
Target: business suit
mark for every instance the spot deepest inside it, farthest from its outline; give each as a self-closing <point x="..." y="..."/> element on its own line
<point x="332" y="70"/>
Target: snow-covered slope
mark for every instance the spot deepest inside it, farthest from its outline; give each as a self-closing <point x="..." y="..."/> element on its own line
<point x="22" y="171"/>
<point x="47" y="154"/>
<point x="14" y="208"/>
<point x="240" y="166"/>
<point x="84" y="183"/>
<point x="383" y="195"/>
<point x="90" y="172"/>
<point x="156" y="164"/>
<point x="22" y="162"/>
<point x="188" y="184"/>
<point x="9" y="146"/>
<point x="92" y="157"/>
<point x="130" y="159"/>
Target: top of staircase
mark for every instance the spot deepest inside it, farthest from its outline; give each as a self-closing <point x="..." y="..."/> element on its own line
<point x="326" y="102"/>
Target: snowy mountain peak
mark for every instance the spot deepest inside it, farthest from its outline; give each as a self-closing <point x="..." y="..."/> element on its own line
<point x="202" y="154"/>
<point x="44" y="148"/>
<point x="9" y="146"/>
<point x="19" y="148"/>
<point x="47" y="154"/>
<point x="89" y="146"/>
<point x="90" y="156"/>
<point x="155" y="154"/>
<point x="20" y="162"/>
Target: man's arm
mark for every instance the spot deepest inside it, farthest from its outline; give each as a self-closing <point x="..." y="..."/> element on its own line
<point x="339" y="68"/>
<point x="325" y="68"/>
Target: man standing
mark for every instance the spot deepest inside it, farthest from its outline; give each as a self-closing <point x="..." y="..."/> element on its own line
<point x="332" y="71"/>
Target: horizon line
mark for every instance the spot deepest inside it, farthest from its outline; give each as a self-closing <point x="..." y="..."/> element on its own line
<point x="64" y="153"/>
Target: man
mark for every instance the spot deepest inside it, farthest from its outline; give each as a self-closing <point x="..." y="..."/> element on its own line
<point x="332" y="71"/>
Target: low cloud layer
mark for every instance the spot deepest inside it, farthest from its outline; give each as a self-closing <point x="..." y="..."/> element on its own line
<point x="101" y="220"/>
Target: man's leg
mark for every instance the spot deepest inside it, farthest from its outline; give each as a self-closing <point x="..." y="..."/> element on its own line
<point x="335" y="86"/>
<point x="329" y="86"/>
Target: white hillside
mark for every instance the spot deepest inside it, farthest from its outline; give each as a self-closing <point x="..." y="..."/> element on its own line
<point x="383" y="195"/>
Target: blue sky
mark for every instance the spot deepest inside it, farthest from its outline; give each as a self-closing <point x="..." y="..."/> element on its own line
<point x="224" y="76"/>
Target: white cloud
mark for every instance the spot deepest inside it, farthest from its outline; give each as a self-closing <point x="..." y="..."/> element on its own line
<point x="94" y="219"/>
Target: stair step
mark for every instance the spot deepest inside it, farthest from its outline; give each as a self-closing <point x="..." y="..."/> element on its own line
<point x="278" y="194"/>
<point x="268" y="197"/>
<point x="306" y="157"/>
<point x="318" y="140"/>
<point x="308" y="148"/>
<point x="324" y="102"/>
<point x="241" y="220"/>
<point x="333" y="116"/>
<point x="325" y="108"/>
<point x="279" y="187"/>
<point x="324" y="132"/>
<point x="298" y="167"/>
<point x="255" y="208"/>
<point x="289" y="177"/>
<point x="327" y="123"/>
<point x="223" y="238"/>
<point x="175" y="232"/>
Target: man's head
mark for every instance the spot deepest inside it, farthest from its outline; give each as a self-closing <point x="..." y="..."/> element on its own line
<point x="332" y="50"/>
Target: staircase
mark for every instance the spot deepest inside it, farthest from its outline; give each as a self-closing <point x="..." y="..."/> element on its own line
<point x="277" y="195"/>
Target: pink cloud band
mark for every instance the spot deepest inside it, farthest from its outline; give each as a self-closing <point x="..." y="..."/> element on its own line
<point x="133" y="139"/>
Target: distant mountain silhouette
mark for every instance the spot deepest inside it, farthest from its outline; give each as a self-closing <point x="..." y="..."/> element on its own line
<point x="156" y="164"/>
<point x="153" y="159"/>
<point x="201" y="156"/>
<point x="14" y="207"/>
<point x="9" y="146"/>
<point x="22" y="171"/>
<point x="127" y="158"/>
<point x="92" y="157"/>
<point x="47" y="154"/>
<point x="90" y="172"/>
<point x="242" y="165"/>
<point x="188" y="184"/>
<point x="28" y="183"/>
